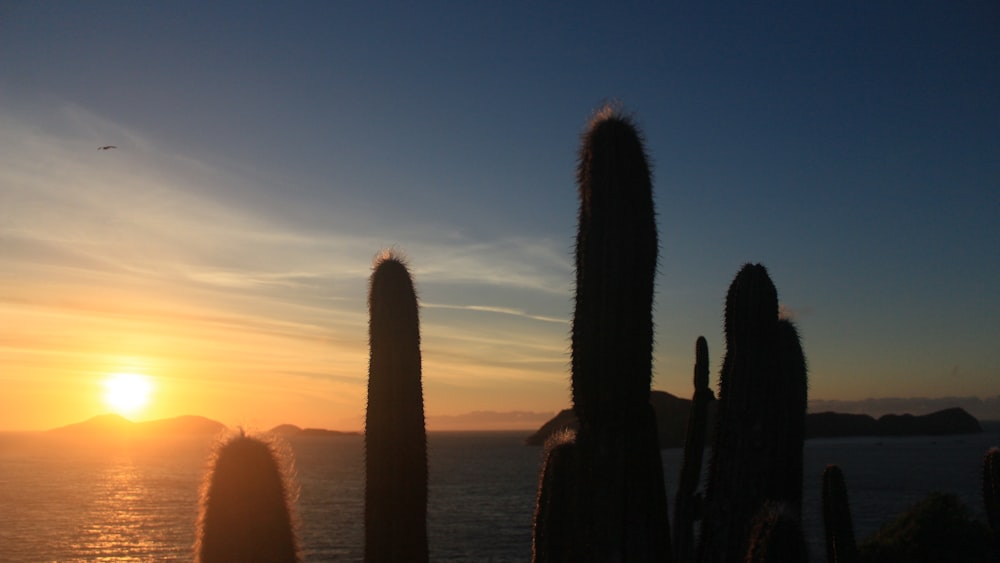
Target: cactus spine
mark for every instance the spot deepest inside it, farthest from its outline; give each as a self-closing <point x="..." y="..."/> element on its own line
<point x="623" y="508"/>
<point x="840" y="544"/>
<point x="757" y="454"/>
<point x="245" y="512"/>
<point x="395" y="437"/>
<point x="686" y="507"/>
<point x="991" y="493"/>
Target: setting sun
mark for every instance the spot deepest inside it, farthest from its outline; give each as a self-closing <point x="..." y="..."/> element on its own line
<point x="127" y="393"/>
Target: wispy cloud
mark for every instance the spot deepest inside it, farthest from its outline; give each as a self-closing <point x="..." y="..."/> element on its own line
<point x="490" y="420"/>
<point x="540" y="265"/>
<point x="209" y="269"/>
<point x="497" y="310"/>
<point x="144" y="210"/>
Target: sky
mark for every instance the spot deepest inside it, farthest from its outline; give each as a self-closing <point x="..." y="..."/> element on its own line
<point x="267" y="152"/>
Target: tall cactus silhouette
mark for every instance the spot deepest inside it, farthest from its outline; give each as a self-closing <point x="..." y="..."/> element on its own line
<point x="623" y="509"/>
<point x="757" y="455"/>
<point x="991" y="493"/>
<point x="840" y="544"/>
<point x="245" y="512"/>
<point x="395" y="437"/>
<point x="687" y="507"/>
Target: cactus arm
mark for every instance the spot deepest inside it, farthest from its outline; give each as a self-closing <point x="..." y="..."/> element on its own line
<point x="685" y="505"/>
<point x="991" y="492"/>
<point x="840" y="543"/>
<point x="553" y="537"/>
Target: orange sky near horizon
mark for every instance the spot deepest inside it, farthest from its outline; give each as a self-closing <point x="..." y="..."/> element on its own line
<point x="265" y="156"/>
<point x="241" y="320"/>
<point x="237" y="368"/>
<point x="116" y="266"/>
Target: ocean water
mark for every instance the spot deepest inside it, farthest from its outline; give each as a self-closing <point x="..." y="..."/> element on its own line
<point x="138" y="502"/>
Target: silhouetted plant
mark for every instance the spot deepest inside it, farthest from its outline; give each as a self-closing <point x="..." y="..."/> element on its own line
<point x="757" y="455"/>
<point x="687" y="505"/>
<point x="553" y="538"/>
<point x="245" y="506"/>
<point x="776" y="536"/>
<point x="395" y="437"/>
<point x="938" y="528"/>
<point x="792" y="386"/>
<point x="837" y="524"/>
<point x="991" y="494"/>
<point x="623" y="509"/>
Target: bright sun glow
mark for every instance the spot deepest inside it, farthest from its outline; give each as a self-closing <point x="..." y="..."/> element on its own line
<point x="127" y="393"/>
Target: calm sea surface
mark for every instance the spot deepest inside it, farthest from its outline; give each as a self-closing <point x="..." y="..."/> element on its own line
<point x="139" y="502"/>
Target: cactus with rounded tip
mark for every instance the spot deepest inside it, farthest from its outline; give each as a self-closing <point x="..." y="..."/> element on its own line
<point x="991" y="492"/>
<point x="245" y="506"/>
<point x="395" y="436"/>
<point x="757" y="455"/>
<point x="840" y="544"/>
<point x="623" y="509"/>
<point x="616" y="252"/>
<point x="776" y="536"/>
<point x="553" y="538"/>
<point x="686" y="505"/>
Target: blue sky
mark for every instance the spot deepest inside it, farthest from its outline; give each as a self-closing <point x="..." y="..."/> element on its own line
<point x="266" y="152"/>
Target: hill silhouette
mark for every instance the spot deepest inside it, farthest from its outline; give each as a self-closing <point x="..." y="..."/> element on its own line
<point x="117" y="426"/>
<point x="672" y="416"/>
<point x="948" y="421"/>
<point x="292" y="430"/>
<point x="112" y="425"/>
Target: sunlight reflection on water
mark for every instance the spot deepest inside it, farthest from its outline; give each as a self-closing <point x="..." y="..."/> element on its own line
<point x="118" y="515"/>
<point x="64" y="502"/>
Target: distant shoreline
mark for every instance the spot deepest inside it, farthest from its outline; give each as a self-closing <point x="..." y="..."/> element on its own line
<point x="672" y="418"/>
<point x="212" y="427"/>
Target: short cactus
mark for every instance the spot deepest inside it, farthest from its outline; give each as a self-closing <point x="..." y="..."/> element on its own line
<point x="395" y="436"/>
<point x="840" y="544"/>
<point x="790" y="421"/>
<point x="553" y="538"/>
<point x="991" y="492"/>
<point x="245" y="506"/>
<point x="687" y="504"/>
<point x="760" y="429"/>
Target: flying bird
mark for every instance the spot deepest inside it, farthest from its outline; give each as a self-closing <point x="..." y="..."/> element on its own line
<point x="106" y="147"/>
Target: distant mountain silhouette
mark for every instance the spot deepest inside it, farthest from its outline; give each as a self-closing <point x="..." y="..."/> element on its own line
<point x="292" y="430"/>
<point x="117" y="426"/>
<point x="285" y="430"/>
<point x="100" y="424"/>
<point x="672" y="417"/>
<point x="113" y="425"/>
<point x="948" y="421"/>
